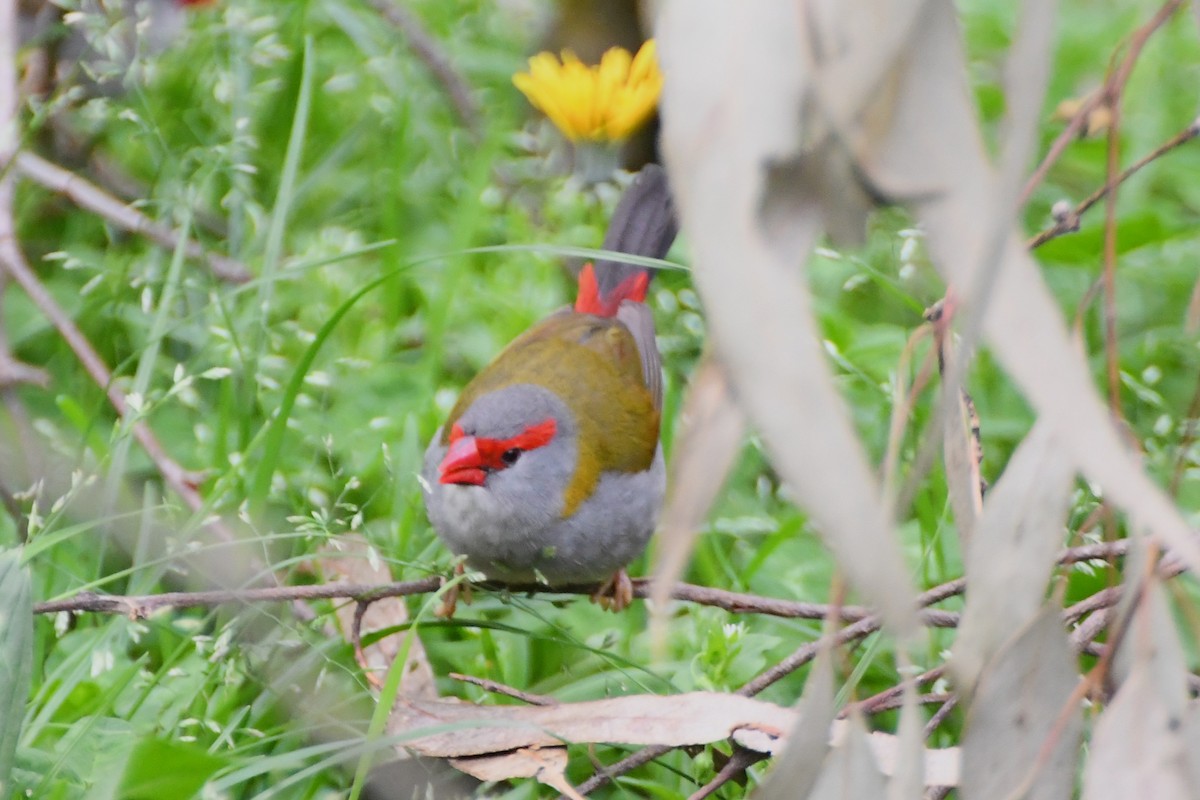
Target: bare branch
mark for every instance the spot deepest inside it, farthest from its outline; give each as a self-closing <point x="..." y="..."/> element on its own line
<point x="507" y="691"/>
<point x="426" y="48"/>
<point x="1101" y="97"/>
<point x="92" y="198"/>
<point x="1068" y="221"/>
<point x="739" y="761"/>
<point x="141" y="606"/>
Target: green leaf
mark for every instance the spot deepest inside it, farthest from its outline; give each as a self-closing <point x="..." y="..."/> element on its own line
<point x="16" y="657"/>
<point x="159" y="769"/>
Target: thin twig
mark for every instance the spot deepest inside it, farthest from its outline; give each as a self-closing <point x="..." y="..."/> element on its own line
<point x="506" y="690"/>
<point x="1113" y="90"/>
<point x="734" y="602"/>
<point x="939" y="716"/>
<point x="426" y="48"/>
<point x="903" y="401"/>
<point x="1068" y="221"/>
<point x="1093" y="101"/>
<point x="739" y="761"/>
<point x="1105" y="598"/>
<point x="897" y="701"/>
<point x="12" y="371"/>
<point x="140" y="606"/>
<point x="1059" y="146"/>
<point x="92" y="198"/>
<point x="627" y="764"/>
<point x="360" y="655"/>
<point x="181" y="481"/>
<point x="892" y="696"/>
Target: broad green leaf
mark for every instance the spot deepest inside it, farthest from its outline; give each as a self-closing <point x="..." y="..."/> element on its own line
<point x="160" y="769"/>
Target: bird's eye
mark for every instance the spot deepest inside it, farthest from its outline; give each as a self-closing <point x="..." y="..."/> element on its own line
<point x="509" y="457"/>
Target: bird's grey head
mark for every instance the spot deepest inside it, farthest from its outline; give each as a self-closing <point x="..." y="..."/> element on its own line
<point x="518" y="443"/>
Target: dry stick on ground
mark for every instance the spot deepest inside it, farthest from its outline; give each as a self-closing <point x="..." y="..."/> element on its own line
<point x="897" y="702"/>
<point x="92" y="198"/>
<point x="426" y="48"/>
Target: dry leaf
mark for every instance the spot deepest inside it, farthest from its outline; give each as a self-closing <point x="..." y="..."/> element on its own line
<point x="711" y="431"/>
<point x="1152" y="639"/>
<point x="1015" y="715"/>
<point x="908" y="776"/>
<point x="547" y="764"/>
<point x="1016" y="545"/>
<point x="676" y="720"/>
<point x="851" y="771"/>
<point x="1138" y="749"/>
<point x="462" y="730"/>
<point x="796" y="768"/>
<point x="732" y="116"/>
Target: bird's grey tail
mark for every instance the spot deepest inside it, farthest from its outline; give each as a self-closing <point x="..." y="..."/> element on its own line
<point x="644" y="224"/>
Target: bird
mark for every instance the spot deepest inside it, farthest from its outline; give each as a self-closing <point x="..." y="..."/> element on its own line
<point x="549" y="469"/>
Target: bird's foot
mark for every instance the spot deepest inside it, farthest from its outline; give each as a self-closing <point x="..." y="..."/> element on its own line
<point x="616" y="593"/>
<point x="450" y="599"/>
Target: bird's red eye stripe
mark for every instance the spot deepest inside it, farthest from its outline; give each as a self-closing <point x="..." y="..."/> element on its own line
<point x="456" y="432"/>
<point x="533" y="437"/>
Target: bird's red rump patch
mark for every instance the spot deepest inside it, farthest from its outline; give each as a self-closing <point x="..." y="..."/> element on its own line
<point x="589" y="300"/>
<point x="470" y="458"/>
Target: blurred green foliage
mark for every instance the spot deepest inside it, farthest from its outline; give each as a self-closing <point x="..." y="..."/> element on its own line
<point x="388" y="186"/>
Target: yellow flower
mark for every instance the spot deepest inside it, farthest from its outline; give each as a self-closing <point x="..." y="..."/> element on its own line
<point x="605" y="103"/>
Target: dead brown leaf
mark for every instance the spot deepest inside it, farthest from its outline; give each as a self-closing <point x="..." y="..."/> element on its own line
<point x="546" y="764"/>
<point x="449" y="729"/>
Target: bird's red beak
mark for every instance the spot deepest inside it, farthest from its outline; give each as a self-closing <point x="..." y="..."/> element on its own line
<point x="463" y="463"/>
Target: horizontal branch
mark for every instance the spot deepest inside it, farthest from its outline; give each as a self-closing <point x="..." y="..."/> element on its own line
<point x="141" y="606"/>
<point x="733" y="602"/>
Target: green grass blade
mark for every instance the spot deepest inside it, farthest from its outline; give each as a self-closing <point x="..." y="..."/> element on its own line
<point x="16" y="658"/>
